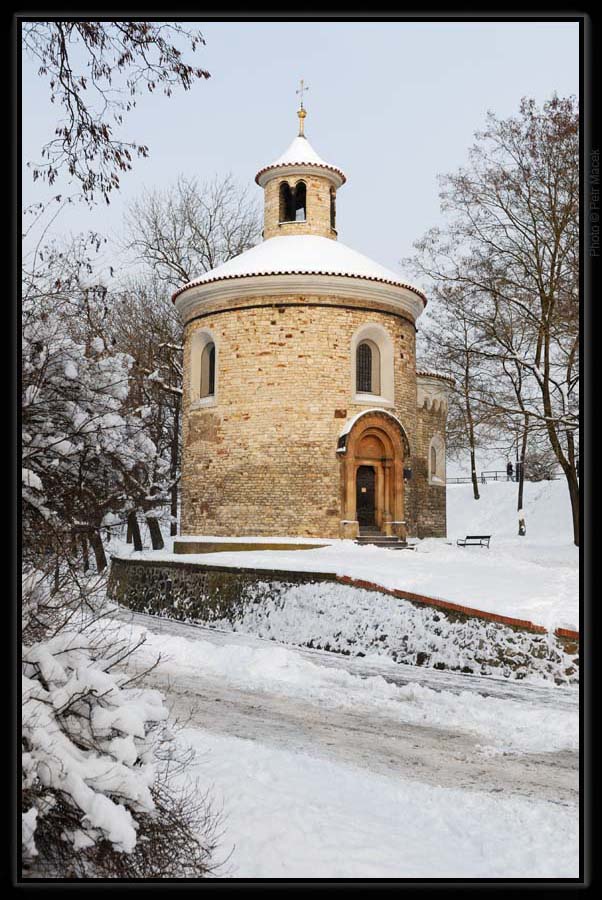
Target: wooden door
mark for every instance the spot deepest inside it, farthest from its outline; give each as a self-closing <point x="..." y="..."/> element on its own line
<point x="365" y="495"/>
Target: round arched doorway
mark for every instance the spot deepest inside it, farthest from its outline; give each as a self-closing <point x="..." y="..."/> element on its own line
<point x="372" y="455"/>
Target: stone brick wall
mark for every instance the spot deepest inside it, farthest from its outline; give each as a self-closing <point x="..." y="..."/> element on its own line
<point x="431" y="515"/>
<point x="248" y="598"/>
<point x="263" y="459"/>
<point x="317" y="210"/>
<point x="190" y="592"/>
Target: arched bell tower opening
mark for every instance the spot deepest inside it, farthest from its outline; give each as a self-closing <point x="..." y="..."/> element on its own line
<point x="300" y="191"/>
<point x="373" y="454"/>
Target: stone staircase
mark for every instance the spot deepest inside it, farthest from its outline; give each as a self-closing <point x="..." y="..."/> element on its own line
<point x="371" y="534"/>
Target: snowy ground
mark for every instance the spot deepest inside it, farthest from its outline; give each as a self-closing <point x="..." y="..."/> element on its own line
<point x="533" y="577"/>
<point x="329" y="767"/>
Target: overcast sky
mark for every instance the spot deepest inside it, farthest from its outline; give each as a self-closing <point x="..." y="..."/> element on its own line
<point x="393" y="104"/>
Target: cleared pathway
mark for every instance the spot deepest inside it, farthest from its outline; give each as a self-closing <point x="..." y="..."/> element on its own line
<point x="364" y="736"/>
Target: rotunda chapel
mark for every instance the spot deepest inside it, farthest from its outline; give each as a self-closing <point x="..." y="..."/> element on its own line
<point x="303" y="411"/>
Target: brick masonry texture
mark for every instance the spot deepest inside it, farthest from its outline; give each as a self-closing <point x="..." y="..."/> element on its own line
<point x="189" y="591"/>
<point x="317" y="220"/>
<point x="430" y="514"/>
<point x="263" y="459"/>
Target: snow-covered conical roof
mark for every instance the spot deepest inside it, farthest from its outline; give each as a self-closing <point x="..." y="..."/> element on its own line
<point x="302" y="254"/>
<point x="300" y="154"/>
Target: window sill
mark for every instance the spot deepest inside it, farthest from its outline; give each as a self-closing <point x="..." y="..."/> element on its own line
<point x="372" y="399"/>
<point x="203" y="402"/>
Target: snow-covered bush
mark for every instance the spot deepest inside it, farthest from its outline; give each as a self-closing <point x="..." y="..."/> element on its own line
<point x="86" y="452"/>
<point x="98" y="794"/>
<point x="98" y="757"/>
<point x="92" y="450"/>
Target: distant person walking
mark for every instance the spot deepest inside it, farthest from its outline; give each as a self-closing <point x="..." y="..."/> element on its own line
<point x="509" y="471"/>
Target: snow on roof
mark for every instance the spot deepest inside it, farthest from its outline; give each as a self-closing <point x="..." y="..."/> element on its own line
<point x="302" y="254"/>
<point x="424" y="374"/>
<point x="300" y="153"/>
<point x="364" y="412"/>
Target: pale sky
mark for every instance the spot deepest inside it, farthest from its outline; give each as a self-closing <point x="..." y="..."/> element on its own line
<point x="393" y="104"/>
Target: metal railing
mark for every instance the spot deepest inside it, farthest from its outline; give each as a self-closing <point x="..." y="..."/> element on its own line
<point x="497" y="475"/>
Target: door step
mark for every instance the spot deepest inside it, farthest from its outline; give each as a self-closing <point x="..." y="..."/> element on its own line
<point x="370" y="534"/>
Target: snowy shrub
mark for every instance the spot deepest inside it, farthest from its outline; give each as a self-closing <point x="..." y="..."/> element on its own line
<point x="98" y="759"/>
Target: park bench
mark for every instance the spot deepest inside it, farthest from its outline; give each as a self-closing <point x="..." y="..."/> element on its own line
<point x="475" y="540"/>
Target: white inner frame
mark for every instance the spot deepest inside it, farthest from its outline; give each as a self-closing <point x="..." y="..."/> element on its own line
<point x="198" y="342"/>
<point x="438" y="476"/>
<point x="378" y="335"/>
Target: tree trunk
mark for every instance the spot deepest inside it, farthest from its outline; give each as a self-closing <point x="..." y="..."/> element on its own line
<point x="521" y="474"/>
<point x="573" y="483"/>
<point x="128" y="536"/>
<point x="155" y="533"/>
<point x="473" y="475"/>
<point x="175" y="439"/>
<point x="84" y="542"/>
<point x="568" y="466"/>
<point x="99" y="550"/>
<point x="134" y="530"/>
<point x="471" y="440"/>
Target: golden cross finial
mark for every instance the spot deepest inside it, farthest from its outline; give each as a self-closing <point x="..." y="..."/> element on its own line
<point x="301" y="111"/>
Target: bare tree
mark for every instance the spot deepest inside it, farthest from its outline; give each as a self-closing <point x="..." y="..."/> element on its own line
<point x="145" y="325"/>
<point x="512" y="245"/>
<point x="176" y="234"/>
<point x="453" y="345"/>
<point x="191" y="227"/>
<point x="95" y="71"/>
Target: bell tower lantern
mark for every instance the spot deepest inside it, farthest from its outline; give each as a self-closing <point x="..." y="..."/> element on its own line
<point x="300" y="190"/>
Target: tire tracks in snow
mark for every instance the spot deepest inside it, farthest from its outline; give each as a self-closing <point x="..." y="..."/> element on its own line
<point x="365" y="737"/>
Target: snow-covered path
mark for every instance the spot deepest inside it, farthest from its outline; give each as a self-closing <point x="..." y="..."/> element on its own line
<point x="366" y="734"/>
<point x="331" y="767"/>
<point x="544" y="694"/>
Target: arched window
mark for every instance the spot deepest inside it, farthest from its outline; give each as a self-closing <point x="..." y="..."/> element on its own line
<point x="367" y="369"/>
<point x="203" y="384"/>
<point x="436" y="460"/>
<point x="300" y="201"/>
<point x="207" y="386"/>
<point x="372" y="369"/>
<point x="333" y="208"/>
<point x="286" y="211"/>
<point x="364" y="368"/>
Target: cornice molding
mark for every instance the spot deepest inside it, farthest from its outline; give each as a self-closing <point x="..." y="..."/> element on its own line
<point x="193" y="301"/>
<point x="334" y="175"/>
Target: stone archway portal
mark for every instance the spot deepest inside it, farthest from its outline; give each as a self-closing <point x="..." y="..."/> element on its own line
<point x="372" y="488"/>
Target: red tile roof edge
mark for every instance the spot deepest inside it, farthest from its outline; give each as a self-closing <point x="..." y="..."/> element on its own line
<point x="315" y="165"/>
<point x="436" y="375"/>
